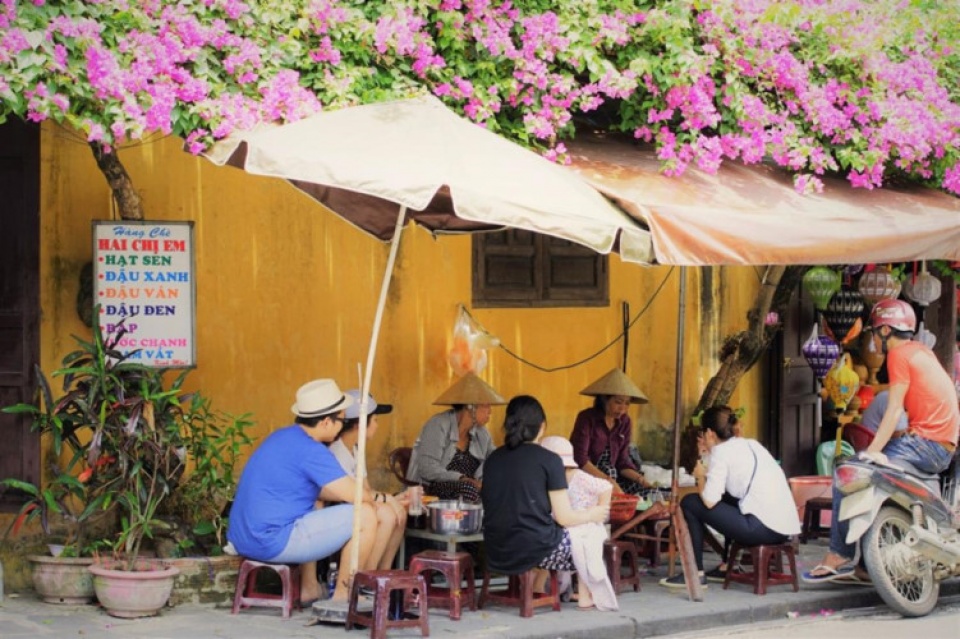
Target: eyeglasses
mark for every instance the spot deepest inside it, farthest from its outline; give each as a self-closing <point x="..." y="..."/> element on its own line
<point x="338" y="419"/>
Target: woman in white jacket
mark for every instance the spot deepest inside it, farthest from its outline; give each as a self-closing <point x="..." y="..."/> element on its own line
<point x="745" y="470"/>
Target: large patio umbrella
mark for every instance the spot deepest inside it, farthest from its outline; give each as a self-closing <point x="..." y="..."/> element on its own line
<point x="376" y="165"/>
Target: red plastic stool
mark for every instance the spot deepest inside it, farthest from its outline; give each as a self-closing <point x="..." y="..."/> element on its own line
<point x="519" y="592"/>
<point x="247" y="594"/>
<point x="767" y="564"/>
<point x="382" y="582"/>
<point x="455" y="567"/>
<point x="614" y="552"/>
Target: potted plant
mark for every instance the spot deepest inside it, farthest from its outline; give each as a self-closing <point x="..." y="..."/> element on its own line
<point x="63" y="508"/>
<point x="132" y="433"/>
<point x="73" y="499"/>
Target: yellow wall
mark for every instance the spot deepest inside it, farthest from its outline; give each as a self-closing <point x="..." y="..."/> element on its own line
<point x="286" y="292"/>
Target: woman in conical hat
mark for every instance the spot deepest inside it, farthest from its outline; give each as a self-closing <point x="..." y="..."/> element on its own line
<point x="602" y="433"/>
<point x="448" y="455"/>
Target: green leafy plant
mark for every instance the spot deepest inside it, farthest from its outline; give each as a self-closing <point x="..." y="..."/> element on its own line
<point x="214" y="442"/>
<point x="132" y="433"/>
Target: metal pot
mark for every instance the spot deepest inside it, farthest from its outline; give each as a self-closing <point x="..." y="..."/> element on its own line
<point x="455" y="518"/>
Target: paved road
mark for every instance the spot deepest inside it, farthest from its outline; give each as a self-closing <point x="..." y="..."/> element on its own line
<point x="875" y="623"/>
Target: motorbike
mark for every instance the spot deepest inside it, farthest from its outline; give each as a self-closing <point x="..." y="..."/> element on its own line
<point x="907" y="523"/>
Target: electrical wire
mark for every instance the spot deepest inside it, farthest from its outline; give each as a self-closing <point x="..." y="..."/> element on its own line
<point x="554" y="369"/>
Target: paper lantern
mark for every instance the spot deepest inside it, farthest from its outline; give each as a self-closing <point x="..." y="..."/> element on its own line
<point x="924" y="289"/>
<point x="821" y="352"/>
<point x="821" y="283"/>
<point x="841" y="382"/>
<point x="843" y="316"/>
<point x="878" y="284"/>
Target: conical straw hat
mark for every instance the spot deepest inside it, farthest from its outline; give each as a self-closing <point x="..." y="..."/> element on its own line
<point x="470" y="389"/>
<point x="616" y="383"/>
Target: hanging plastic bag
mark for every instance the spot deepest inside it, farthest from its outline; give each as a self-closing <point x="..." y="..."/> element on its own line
<point x="468" y="350"/>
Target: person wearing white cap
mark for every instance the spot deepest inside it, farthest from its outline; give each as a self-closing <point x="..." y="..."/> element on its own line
<point x="586" y="540"/>
<point x="392" y="511"/>
<point x="274" y="516"/>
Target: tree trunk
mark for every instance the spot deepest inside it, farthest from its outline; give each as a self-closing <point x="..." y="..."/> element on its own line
<point x="127" y="199"/>
<point x="945" y="324"/>
<point x="741" y="351"/>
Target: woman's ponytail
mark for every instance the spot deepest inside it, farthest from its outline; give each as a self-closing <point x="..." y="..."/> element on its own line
<point x="523" y="420"/>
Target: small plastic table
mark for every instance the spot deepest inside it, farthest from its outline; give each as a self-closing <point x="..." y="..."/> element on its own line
<point x="451" y="541"/>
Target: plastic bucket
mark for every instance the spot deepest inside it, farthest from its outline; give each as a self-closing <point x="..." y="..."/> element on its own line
<point x="808" y="487"/>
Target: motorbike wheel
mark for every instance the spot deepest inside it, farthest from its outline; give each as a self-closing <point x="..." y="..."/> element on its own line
<point x="903" y="577"/>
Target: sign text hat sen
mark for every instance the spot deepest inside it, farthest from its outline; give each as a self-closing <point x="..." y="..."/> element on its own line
<point x="320" y="397"/>
<point x="372" y="407"/>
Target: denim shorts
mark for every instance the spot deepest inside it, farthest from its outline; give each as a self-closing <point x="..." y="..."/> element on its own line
<point x="927" y="456"/>
<point x="318" y="534"/>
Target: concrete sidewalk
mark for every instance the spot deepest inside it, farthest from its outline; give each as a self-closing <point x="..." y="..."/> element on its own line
<point x="655" y="611"/>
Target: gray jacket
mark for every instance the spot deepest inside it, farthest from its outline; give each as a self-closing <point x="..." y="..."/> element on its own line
<point x="437" y="444"/>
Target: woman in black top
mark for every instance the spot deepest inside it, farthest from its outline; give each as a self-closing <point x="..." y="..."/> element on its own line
<point x="525" y="502"/>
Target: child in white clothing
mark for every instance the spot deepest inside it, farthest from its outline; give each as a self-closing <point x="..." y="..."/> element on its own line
<point x="593" y="584"/>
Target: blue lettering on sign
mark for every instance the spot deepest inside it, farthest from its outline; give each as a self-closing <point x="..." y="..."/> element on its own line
<point x="126" y="231"/>
<point x="122" y="310"/>
<point x="173" y="276"/>
<point x="159" y="310"/>
<point x="121" y="276"/>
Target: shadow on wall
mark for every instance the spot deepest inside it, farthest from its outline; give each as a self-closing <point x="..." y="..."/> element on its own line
<point x="655" y="443"/>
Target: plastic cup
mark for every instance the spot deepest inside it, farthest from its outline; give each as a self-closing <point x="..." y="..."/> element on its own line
<point x="416" y="500"/>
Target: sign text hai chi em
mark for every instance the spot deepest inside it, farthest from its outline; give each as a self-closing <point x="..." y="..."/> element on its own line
<point x="144" y="277"/>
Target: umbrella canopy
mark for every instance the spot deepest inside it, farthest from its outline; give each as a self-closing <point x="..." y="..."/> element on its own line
<point x="751" y="214"/>
<point x="376" y="163"/>
<point x="452" y="175"/>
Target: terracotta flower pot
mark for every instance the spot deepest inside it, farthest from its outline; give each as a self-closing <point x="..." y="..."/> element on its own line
<point x="133" y="593"/>
<point x="62" y="580"/>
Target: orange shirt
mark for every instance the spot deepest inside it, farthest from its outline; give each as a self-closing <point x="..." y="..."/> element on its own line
<point x="931" y="399"/>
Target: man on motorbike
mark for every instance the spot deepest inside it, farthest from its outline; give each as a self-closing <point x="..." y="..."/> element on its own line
<point x="919" y="385"/>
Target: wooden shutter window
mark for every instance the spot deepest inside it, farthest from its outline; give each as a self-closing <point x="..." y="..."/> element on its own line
<point x="516" y="268"/>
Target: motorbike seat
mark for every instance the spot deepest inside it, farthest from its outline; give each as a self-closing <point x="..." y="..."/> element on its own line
<point x="932" y="480"/>
<point x="910" y="469"/>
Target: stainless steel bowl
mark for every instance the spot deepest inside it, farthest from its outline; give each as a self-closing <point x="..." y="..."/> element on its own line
<point x="451" y="517"/>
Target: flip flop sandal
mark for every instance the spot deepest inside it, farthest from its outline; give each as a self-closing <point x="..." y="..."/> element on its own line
<point x="853" y="579"/>
<point x="332" y="611"/>
<point x="830" y="574"/>
<point x="586" y="608"/>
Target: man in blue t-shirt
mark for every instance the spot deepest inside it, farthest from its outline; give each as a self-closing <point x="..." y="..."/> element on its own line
<point x="274" y="517"/>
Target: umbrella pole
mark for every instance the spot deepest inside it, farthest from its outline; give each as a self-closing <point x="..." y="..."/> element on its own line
<point x="678" y="524"/>
<point x="354" y="559"/>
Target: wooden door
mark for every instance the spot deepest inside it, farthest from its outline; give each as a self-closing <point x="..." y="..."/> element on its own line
<point x="792" y="431"/>
<point x="19" y="299"/>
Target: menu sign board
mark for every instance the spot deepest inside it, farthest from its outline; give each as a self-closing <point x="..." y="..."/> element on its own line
<point x="144" y="278"/>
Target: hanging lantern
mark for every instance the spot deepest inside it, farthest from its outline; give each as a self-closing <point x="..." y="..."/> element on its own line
<point x="821" y="283"/>
<point x="878" y="284"/>
<point x="852" y="269"/>
<point x="843" y="317"/>
<point x="821" y="352"/>
<point x="924" y="289"/>
<point x="841" y="382"/>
